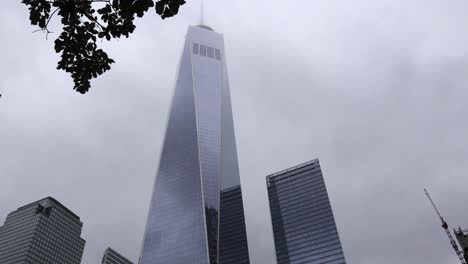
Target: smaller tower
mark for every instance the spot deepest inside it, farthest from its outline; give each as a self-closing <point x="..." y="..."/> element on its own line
<point x="304" y="227"/>
<point x="462" y="237"/>
<point x="41" y="232"/>
<point x="233" y="246"/>
<point x="113" y="257"/>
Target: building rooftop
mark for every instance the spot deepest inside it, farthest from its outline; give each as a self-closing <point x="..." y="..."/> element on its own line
<point x="314" y="161"/>
<point x="53" y="201"/>
<point x="205" y="27"/>
<point x="112" y="255"/>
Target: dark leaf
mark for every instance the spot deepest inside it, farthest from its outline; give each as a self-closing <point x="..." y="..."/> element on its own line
<point x="83" y="25"/>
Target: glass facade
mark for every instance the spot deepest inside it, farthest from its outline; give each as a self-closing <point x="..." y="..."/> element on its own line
<point x="303" y="224"/>
<point x="198" y="159"/>
<point x="43" y="232"/>
<point x="113" y="257"/>
<point x="233" y="247"/>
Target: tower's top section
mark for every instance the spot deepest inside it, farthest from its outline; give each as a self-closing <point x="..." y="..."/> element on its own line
<point x="202" y="18"/>
<point x="51" y="202"/>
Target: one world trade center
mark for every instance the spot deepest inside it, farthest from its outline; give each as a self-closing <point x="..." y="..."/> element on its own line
<point x="196" y="211"/>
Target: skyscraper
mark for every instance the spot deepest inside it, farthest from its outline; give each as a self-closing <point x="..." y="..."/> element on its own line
<point x="198" y="160"/>
<point x="42" y="232"/>
<point x="113" y="257"/>
<point x="303" y="224"/>
<point x="462" y="237"/>
<point x="233" y="238"/>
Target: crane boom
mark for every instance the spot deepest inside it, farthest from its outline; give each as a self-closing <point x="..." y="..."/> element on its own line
<point x="433" y="205"/>
<point x="447" y="231"/>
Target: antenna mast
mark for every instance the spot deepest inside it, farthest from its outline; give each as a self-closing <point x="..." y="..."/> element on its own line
<point x="202" y="13"/>
<point x="445" y="226"/>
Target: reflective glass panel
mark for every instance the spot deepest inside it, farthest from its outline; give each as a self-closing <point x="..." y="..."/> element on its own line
<point x="175" y="231"/>
<point x="303" y="225"/>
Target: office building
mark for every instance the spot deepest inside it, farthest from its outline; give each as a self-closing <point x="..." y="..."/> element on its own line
<point x="462" y="237"/>
<point x="113" y="257"/>
<point x="303" y="224"/>
<point x="198" y="160"/>
<point x="233" y="237"/>
<point x="42" y="232"/>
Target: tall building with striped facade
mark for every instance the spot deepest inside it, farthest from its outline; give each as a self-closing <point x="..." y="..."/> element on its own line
<point x="113" y="257"/>
<point x="42" y="232"/>
<point x="303" y="223"/>
<point x="233" y="247"/>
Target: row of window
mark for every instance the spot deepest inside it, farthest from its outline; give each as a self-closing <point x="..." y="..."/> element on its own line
<point x="51" y="239"/>
<point x="206" y="51"/>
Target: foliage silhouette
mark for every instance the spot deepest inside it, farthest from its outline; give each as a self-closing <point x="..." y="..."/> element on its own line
<point x="83" y="25"/>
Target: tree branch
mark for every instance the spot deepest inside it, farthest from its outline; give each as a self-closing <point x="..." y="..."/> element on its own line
<point x="83" y="25"/>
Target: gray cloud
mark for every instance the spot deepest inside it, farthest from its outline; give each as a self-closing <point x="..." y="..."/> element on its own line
<point x="375" y="89"/>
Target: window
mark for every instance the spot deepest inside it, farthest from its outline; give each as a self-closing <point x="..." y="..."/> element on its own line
<point x="210" y="52"/>
<point x="195" y="48"/>
<point x="203" y="50"/>
<point x="218" y="54"/>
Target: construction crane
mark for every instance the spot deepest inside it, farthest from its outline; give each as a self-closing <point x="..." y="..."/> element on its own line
<point x="445" y="226"/>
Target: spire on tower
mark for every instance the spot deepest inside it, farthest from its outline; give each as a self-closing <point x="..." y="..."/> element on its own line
<point x="202" y="17"/>
<point x="202" y="13"/>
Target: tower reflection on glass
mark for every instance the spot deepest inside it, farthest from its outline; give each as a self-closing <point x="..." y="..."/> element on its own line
<point x="197" y="189"/>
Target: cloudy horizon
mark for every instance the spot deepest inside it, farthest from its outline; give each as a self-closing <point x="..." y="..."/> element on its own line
<point x="375" y="89"/>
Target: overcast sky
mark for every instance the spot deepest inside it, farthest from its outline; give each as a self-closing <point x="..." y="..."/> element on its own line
<point x="376" y="89"/>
